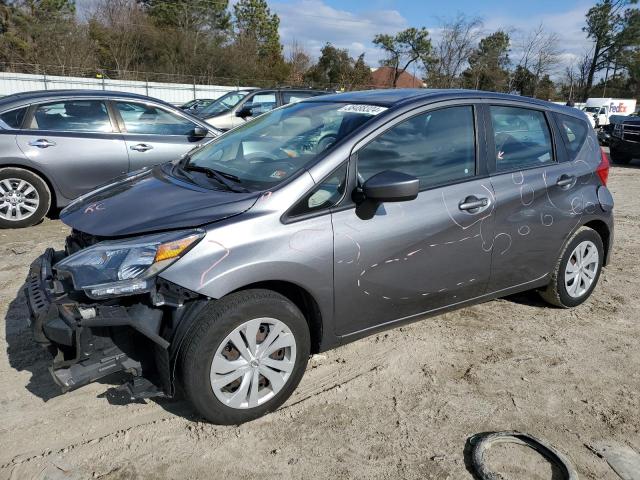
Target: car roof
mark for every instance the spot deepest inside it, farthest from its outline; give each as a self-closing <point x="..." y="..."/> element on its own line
<point x="403" y="96"/>
<point x="24" y="98"/>
<point x="289" y="89"/>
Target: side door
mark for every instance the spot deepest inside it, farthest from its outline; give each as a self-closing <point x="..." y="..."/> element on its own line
<point x="261" y="102"/>
<point x="538" y="192"/>
<point x="417" y="256"/>
<point x="153" y="134"/>
<point x="76" y="142"/>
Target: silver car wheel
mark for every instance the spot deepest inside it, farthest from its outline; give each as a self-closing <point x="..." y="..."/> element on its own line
<point x="253" y="363"/>
<point x="581" y="269"/>
<point x="18" y="199"/>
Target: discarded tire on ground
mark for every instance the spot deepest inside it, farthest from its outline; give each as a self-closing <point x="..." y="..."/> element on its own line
<point x="482" y="442"/>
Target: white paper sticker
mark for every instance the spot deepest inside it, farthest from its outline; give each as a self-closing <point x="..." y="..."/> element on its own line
<point x="364" y="109"/>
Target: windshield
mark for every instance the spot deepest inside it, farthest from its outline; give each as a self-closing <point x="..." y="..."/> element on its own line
<point x="278" y="144"/>
<point x="592" y="109"/>
<point x="223" y="104"/>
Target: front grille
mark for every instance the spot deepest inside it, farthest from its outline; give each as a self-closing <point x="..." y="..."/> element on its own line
<point x="631" y="132"/>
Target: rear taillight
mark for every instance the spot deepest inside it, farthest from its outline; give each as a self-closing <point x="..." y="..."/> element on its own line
<point x="603" y="167"/>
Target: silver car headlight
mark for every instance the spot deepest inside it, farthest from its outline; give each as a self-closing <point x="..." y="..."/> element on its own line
<point x="126" y="267"/>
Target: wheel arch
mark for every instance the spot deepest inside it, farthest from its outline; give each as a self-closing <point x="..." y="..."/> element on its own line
<point x="52" y="190"/>
<point x="302" y="299"/>
<point x="602" y="229"/>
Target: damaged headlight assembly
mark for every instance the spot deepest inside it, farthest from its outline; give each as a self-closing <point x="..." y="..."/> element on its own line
<point x="126" y="267"/>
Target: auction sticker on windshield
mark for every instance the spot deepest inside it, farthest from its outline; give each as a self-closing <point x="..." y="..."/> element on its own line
<point x="364" y="109"/>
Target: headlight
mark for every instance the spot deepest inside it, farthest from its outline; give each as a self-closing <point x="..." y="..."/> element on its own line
<point x="125" y="267"/>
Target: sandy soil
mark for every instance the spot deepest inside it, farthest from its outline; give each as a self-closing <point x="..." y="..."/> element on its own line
<point x="401" y="404"/>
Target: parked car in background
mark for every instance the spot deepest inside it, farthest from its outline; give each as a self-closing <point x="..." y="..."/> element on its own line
<point x="223" y="104"/>
<point x="235" y="108"/>
<point x="624" y="143"/>
<point x="604" y="133"/>
<point x="271" y="243"/>
<point x="197" y="104"/>
<point x="56" y="145"/>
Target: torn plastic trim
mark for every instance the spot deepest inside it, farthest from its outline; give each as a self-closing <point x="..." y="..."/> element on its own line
<point x="139" y="317"/>
<point x="484" y="441"/>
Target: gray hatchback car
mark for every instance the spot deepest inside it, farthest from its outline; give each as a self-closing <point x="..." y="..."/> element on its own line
<point x="314" y="225"/>
<point x="56" y="145"/>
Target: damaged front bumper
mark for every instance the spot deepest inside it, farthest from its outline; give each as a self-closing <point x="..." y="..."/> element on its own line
<point x="90" y="340"/>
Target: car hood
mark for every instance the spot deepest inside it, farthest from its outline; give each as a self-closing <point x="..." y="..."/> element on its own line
<point x="151" y="201"/>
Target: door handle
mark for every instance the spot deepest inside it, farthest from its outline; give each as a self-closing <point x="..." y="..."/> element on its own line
<point x="42" y="143"/>
<point x="473" y="204"/>
<point x="566" y="180"/>
<point x="141" y="147"/>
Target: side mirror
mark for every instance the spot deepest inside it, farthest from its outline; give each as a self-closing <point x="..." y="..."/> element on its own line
<point x="199" y="132"/>
<point x="391" y="186"/>
<point x="245" y="111"/>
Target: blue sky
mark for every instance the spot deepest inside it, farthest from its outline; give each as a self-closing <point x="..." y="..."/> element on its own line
<point x="352" y="24"/>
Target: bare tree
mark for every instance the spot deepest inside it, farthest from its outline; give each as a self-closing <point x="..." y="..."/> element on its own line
<point x="575" y="76"/>
<point x="539" y="56"/>
<point x="119" y="28"/>
<point x="299" y="62"/>
<point x="451" y="53"/>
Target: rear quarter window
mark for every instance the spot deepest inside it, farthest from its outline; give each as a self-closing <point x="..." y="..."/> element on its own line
<point x="14" y="118"/>
<point x="574" y="133"/>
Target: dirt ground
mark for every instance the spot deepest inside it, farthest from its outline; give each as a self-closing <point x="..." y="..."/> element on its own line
<point x="399" y="405"/>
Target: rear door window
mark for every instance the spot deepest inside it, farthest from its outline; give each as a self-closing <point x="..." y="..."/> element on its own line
<point x="262" y="103"/>
<point x="296" y="96"/>
<point x="574" y="132"/>
<point x="141" y="118"/>
<point x="72" y="116"/>
<point x="14" y="118"/>
<point x="522" y="138"/>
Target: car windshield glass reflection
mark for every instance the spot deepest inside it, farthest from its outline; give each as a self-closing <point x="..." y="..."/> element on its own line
<point x="222" y="104"/>
<point x="277" y="145"/>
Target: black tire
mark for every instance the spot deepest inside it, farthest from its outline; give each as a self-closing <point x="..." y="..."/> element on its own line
<point x="217" y="321"/>
<point x="618" y="157"/>
<point x="43" y="196"/>
<point x="556" y="292"/>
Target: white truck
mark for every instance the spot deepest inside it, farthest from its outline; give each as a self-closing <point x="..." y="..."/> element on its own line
<point x="600" y="109"/>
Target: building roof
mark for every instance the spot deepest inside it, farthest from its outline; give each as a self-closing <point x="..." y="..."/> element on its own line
<point x="382" y="77"/>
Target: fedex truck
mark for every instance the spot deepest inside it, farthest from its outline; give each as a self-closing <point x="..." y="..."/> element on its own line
<point x="600" y="109"/>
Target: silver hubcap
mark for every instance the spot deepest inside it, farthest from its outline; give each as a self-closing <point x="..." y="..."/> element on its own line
<point x="581" y="269"/>
<point x="253" y="363"/>
<point x="18" y="199"/>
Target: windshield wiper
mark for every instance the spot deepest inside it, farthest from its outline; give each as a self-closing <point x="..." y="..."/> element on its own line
<point x="222" y="177"/>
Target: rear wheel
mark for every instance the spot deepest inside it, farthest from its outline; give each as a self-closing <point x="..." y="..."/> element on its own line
<point x="619" y="157"/>
<point x="24" y="198"/>
<point x="577" y="270"/>
<point x="246" y="356"/>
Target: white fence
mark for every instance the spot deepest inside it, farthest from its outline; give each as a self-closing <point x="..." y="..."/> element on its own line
<point x="176" y="93"/>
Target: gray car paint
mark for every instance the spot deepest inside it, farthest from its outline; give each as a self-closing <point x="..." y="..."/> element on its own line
<point x="81" y="161"/>
<point x="370" y="274"/>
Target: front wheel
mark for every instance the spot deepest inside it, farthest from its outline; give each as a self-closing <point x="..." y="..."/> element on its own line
<point x="245" y="357"/>
<point x="577" y="270"/>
